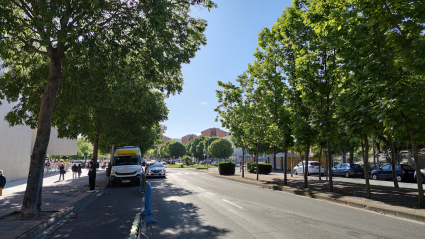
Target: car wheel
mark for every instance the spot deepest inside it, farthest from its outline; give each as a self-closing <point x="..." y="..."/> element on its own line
<point x="374" y="176"/>
<point x="398" y="178"/>
<point x="347" y="175"/>
<point x="295" y="172"/>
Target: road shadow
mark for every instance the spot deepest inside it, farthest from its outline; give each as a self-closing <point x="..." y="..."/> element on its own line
<point x="403" y="197"/>
<point x="176" y="218"/>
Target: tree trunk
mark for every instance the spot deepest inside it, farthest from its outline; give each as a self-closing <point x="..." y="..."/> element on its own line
<point x="329" y="163"/>
<point x="320" y="165"/>
<point x="391" y="144"/>
<point x="417" y="167"/>
<point x="243" y="161"/>
<point x="292" y="162"/>
<point x="95" y="147"/>
<point x="274" y="157"/>
<point x="256" y="161"/>
<point x="285" y="163"/>
<point x="351" y="152"/>
<point x="366" y="166"/>
<point x="306" y="164"/>
<point x="343" y="155"/>
<point x="31" y="205"/>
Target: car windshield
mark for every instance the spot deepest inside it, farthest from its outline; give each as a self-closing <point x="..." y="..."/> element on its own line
<point x="126" y="160"/>
<point x="355" y="166"/>
<point x="156" y="165"/>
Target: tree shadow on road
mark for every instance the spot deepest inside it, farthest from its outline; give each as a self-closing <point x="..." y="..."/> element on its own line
<point x="176" y="218"/>
<point x="392" y="196"/>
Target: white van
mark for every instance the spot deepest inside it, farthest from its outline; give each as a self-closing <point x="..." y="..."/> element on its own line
<point x="126" y="166"/>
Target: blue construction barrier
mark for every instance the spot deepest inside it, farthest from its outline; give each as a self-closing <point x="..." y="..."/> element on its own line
<point x="148" y="192"/>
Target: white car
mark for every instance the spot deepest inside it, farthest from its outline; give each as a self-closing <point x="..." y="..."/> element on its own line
<point x="215" y="163"/>
<point x="313" y="168"/>
<point x="422" y="175"/>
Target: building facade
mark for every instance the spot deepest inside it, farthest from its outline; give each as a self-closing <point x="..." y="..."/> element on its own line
<point x="211" y="132"/>
<point x="165" y="139"/>
<point x="16" y="144"/>
<point x="187" y="138"/>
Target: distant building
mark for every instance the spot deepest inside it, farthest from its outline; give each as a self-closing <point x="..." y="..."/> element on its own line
<point x="187" y="138"/>
<point x="165" y="139"/>
<point x="214" y="132"/>
<point x="176" y="139"/>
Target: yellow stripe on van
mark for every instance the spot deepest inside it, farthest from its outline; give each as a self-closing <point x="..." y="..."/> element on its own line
<point x="126" y="152"/>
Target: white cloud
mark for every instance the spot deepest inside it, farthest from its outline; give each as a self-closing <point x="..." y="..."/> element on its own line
<point x="204" y="103"/>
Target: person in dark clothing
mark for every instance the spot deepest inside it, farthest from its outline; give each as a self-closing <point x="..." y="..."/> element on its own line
<point x="2" y="182"/>
<point x="92" y="176"/>
<point x="79" y="170"/>
<point x="61" y="172"/>
<point x="74" y="171"/>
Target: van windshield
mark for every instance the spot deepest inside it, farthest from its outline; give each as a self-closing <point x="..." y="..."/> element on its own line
<point x="126" y="160"/>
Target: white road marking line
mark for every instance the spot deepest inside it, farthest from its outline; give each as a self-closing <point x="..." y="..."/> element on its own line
<point x="179" y="173"/>
<point x="201" y="188"/>
<point x="233" y="204"/>
<point x="184" y="181"/>
<point x="187" y="173"/>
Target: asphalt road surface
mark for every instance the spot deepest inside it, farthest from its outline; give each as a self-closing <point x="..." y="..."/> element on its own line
<point x="190" y="204"/>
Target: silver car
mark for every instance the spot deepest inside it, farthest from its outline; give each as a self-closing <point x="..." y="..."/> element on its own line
<point x="156" y="170"/>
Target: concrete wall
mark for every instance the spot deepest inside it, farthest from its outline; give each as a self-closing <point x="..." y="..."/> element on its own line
<point x="16" y="144"/>
<point x="15" y="147"/>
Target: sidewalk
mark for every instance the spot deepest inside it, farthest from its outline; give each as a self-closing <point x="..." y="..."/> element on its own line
<point x="401" y="202"/>
<point x="57" y="197"/>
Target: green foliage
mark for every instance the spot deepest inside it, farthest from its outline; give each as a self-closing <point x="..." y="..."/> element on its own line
<point x="83" y="147"/>
<point x="187" y="160"/>
<point x="226" y="168"/>
<point x="221" y="148"/>
<point x="173" y="149"/>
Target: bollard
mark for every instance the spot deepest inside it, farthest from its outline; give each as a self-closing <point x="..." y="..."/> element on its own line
<point x="148" y="191"/>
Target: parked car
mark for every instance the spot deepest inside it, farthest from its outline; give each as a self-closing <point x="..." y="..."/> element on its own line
<point x="313" y="168"/>
<point x="404" y="172"/>
<point x="422" y="175"/>
<point x="215" y="163"/>
<point x="348" y="170"/>
<point x="156" y="170"/>
<point x="165" y="164"/>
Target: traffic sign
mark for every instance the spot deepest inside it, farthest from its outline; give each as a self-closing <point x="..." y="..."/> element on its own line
<point x="245" y="151"/>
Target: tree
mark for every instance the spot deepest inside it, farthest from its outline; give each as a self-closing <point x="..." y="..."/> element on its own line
<point x="221" y="148"/>
<point x="174" y="149"/>
<point x="83" y="147"/>
<point x="197" y="152"/>
<point x="58" y="29"/>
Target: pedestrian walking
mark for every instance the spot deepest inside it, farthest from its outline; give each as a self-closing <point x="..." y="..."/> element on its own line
<point x="74" y="171"/>
<point x="2" y="182"/>
<point x="92" y="175"/>
<point x="62" y="172"/>
<point x="240" y="166"/>
<point x="79" y="170"/>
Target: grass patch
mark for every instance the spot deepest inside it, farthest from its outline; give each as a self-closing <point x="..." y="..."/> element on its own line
<point x="174" y="165"/>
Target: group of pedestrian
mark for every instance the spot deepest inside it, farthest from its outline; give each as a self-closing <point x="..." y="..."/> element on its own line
<point x="76" y="170"/>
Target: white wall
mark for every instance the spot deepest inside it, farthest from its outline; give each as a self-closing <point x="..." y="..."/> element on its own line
<point x="16" y="144"/>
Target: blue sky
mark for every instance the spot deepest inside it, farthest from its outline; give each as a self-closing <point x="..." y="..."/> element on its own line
<point x="232" y="34"/>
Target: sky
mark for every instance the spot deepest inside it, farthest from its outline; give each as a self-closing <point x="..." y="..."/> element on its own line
<point x="232" y="37"/>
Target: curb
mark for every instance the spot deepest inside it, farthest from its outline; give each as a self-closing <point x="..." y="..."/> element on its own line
<point x="320" y="195"/>
<point x="136" y="230"/>
<point x="74" y="209"/>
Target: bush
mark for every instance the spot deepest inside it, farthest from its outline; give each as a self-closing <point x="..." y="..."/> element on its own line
<point x="264" y="168"/>
<point x="226" y="168"/>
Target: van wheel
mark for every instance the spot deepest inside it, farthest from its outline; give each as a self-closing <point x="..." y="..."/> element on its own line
<point x="295" y="172"/>
<point x="398" y="178"/>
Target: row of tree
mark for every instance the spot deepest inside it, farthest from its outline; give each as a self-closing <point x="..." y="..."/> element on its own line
<point x="217" y="148"/>
<point x="97" y="68"/>
<point x="333" y="72"/>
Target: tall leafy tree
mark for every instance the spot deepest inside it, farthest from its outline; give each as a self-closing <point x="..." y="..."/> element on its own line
<point x="58" y="30"/>
<point x="221" y="148"/>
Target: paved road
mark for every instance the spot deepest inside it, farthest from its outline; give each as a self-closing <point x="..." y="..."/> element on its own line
<point x="190" y="204"/>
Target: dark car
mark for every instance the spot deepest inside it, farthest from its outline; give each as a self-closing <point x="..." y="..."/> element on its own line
<point x="348" y="170"/>
<point x="404" y="172"/>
